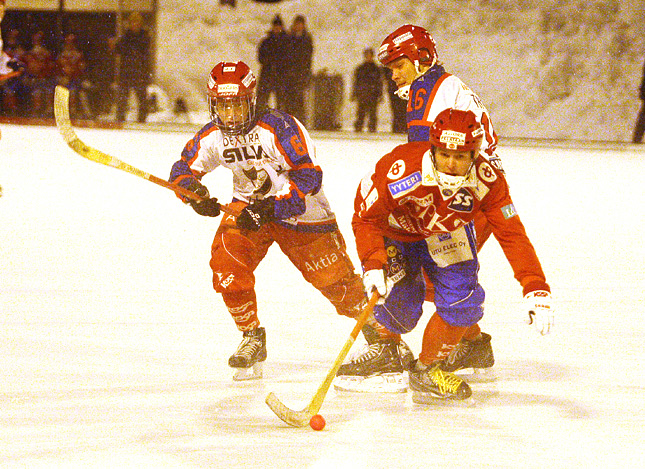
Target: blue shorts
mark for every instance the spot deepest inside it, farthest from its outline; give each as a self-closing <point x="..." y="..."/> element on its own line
<point x="450" y="260"/>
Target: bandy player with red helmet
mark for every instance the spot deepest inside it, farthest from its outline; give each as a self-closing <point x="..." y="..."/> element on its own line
<point x="414" y="212"/>
<point x="277" y="187"/>
<point x="410" y="53"/>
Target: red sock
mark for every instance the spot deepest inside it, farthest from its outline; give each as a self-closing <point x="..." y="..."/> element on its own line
<point x="439" y="339"/>
<point x="381" y="330"/>
<point x="472" y="332"/>
<point x="244" y="309"/>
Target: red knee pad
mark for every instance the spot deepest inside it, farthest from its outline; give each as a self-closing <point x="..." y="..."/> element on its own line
<point x="232" y="262"/>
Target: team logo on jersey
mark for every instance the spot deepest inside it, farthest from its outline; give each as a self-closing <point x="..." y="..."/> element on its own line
<point x="509" y="211"/>
<point x="463" y="201"/>
<point x="246" y="153"/>
<point x="396" y="170"/>
<point x="486" y="173"/>
<point x="237" y="140"/>
<point x="405" y="185"/>
<point x="419" y="201"/>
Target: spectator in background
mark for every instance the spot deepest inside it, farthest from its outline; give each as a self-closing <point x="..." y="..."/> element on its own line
<point x="39" y="76"/>
<point x="398" y="106"/>
<point x="274" y="60"/>
<point x="639" y="130"/>
<point x="298" y="71"/>
<point x="71" y="74"/>
<point x="10" y="69"/>
<point x="367" y="91"/>
<point x="12" y="46"/>
<point x="133" y="48"/>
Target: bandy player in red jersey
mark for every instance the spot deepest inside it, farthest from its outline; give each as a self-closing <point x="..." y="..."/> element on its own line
<point x="277" y="187"/>
<point x="410" y="53"/>
<point x="414" y="212"/>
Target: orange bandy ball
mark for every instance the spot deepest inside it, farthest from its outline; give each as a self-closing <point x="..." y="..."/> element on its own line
<point x="317" y="422"/>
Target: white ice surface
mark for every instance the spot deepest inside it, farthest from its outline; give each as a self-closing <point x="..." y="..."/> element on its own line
<point x="113" y="346"/>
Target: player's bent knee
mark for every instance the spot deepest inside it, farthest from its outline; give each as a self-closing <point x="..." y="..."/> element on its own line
<point x="398" y="320"/>
<point x="324" y="261"/>
<point x="461" y="317"/>
<point x="346" y="295"/>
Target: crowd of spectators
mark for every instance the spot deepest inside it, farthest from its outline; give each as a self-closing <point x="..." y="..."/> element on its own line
<point x="284" y="78"/>
<point x="30" y="94"/>
<point x="285" y="66"/>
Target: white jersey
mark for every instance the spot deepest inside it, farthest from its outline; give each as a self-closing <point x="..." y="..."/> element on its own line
<point x="435" y="91"/>
<point x="276" y="158"/>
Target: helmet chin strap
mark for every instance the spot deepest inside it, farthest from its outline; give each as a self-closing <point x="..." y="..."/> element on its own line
<point x="403" y="92"/>
<point x="449" y="181"/>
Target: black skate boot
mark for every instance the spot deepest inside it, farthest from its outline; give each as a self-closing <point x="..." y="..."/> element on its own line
<point x="405" y="353"/>
<point x="430" y="384"/>
<point x="474" y="357"/>
<point x="377" y="369"/>
<point x="250" y="355"/>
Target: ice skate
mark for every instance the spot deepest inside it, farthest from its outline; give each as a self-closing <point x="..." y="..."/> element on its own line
<point x="377" y="368"/>
<point x="250" y="355"/>
<point x="472" y="357"/>
<point x="431" y="384"/>
<point x="405" y="353"/>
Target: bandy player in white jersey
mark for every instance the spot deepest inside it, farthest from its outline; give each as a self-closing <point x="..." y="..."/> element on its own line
<point x="277" y="188"/>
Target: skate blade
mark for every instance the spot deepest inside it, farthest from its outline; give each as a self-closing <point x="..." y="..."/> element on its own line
<point x="428" y="398"/>
<point x="383" y="383"/>
<point x="245" y="374"/>
<point x="477" y="375"/>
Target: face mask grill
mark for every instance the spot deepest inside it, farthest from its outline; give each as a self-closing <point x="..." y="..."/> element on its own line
<point x="233" y="115"/>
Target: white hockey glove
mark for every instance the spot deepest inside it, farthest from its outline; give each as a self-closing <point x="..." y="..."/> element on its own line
<point x="538" y="305"/>
<point x="376" y="279"/>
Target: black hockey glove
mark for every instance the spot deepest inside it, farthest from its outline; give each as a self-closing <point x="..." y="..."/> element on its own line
<point x="209" y="207"/>
<point x="256" y="214"/>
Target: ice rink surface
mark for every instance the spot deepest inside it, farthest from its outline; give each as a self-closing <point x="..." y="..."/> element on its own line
<point x="114" y="347"/>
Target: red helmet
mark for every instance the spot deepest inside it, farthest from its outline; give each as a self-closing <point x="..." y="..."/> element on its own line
<point x="231" y="84"/>
<point x="453" y="129"/>
<point x="413" y="42"/>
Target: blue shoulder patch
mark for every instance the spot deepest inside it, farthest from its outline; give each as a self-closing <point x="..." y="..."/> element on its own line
<point x="405" y="185"/>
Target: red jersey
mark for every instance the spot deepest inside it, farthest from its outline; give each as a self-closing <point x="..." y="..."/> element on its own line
<point x="401" y="199"/>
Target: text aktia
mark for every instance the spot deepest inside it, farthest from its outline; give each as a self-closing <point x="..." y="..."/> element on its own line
<point x="321" y="263"/>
